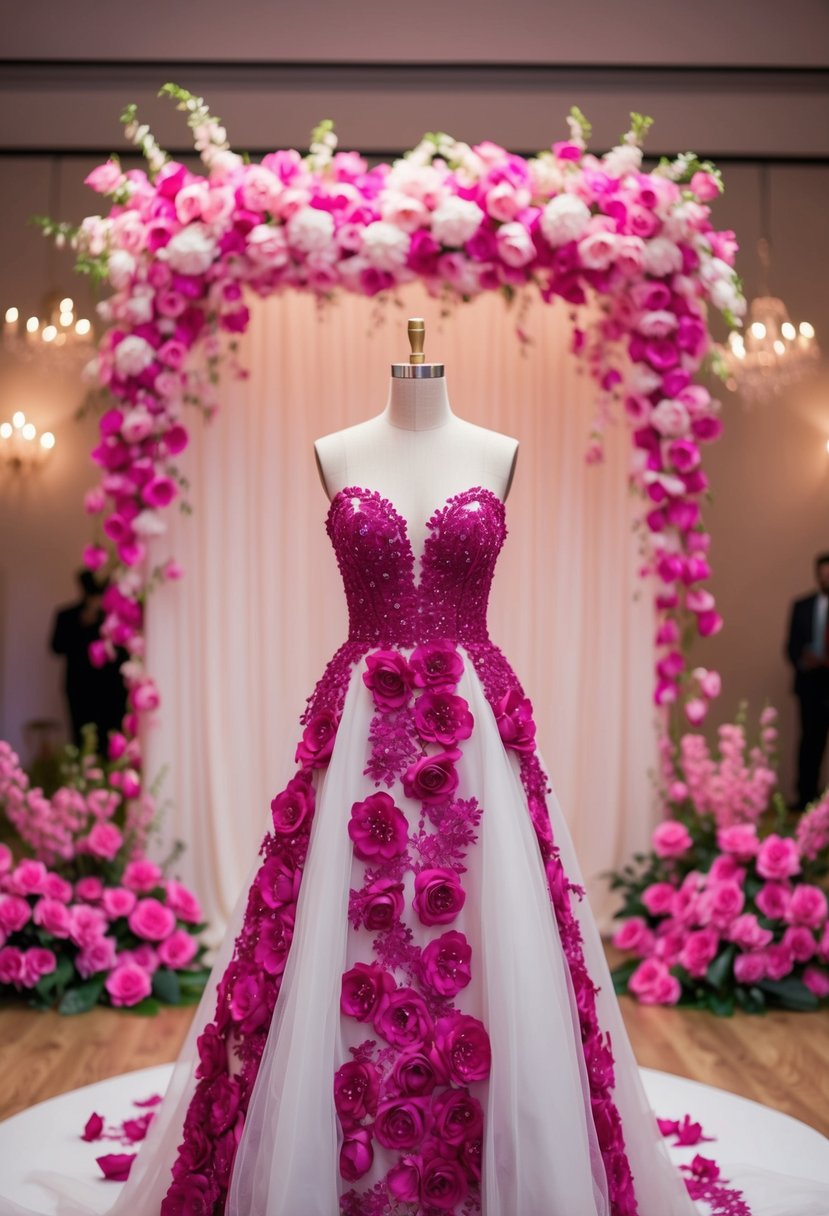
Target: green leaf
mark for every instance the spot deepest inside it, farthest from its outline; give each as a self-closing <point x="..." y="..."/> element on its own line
<point x="621" y="974"/>
<point x="57" y="980"/>
<point x="82" y="998"/>
<point x="751" y="1000"/>
<point x="791" y="992"/>
<point x="719" y="969"/>
<point x="166" y="986"/>
<point x="720" y="1003"/>
<point x="149" y="1007"/>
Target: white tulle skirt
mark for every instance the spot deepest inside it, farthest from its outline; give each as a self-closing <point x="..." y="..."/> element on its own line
<point x="540" y="1155"/>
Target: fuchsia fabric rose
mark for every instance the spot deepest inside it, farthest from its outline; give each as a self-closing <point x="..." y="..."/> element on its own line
<point x="438" y="896"/>
<point x="293" y="807"/>
<point x="436" y="665"/>
<point x="378" y="829"/>
<point x="356" y="1089"/>
<point x="464" y="1044"/>
<point x="317" y="742"/>
<point x="389" y="678"/>
<point x="417" y="1070"/>
<point x="402" y="1019"/>
<point x="432" y="779"/>
<point x="671" y="839"/>
<point x="446" y="964"/>
<point x="514" y="716"/>
<point x="458" y="1116"/>
<point x="442" y="717"/>
<point x="128" y="984"/>
<point x="150" y="920"/>
<point x="278" y="881"/>
<point x="403" y="1180"/>
<point x="443" y="1183"/>
<point x="356" y="1154"/>
<point x="383" y="904"/>
<point x="401" y="1122"/>
<point x="362" y="988"/>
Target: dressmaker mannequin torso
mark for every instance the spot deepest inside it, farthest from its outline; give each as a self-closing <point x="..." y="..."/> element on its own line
<point x="417" y="453"/>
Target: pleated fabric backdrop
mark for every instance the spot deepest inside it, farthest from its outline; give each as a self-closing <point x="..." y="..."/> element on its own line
<point x="237" y="646"/>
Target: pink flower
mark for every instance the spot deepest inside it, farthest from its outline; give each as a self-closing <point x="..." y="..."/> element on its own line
<point x="438" y="896"/>
<point x="98" y="956"/>
<point x="144" y="697"/>
<point x="249" y="1006"/>
<point x="94" y="556"/>
<point x="150" y="920"/>
<point x="88" y="925"/>
<point x="779" y="961"/>
<point x="28" y="878"/>
<point x="293" y="807"/>
<point x="725" y="869"/>
<point x="740" y="839"/>
<point x="442" y="717"/>
<point x="808" y="906"/>
<point x="402" y="1018"/>
<point x="658" y="898"/>
<point x="700" y="949"/>
<point x="436" y="665"/>
<point x="356" y="1155"/>
<point x="159" y="492"/>
<point x="773" y="900"/>
<point x="721" y="903"/>
<point x="403" y="1180"/>
<point x="362" y="988"/>
<point x="778" y="857"/>
<point x="141" y="875"/>
<point x="464" y="1044"/>
<point x="275" y="937"/>
<point x="634" y="935"/>
<point x="652" y="983"/>
<point x="89" y="889"/>
<point x="36" y="963"/>
<point x="178" y="950"/>
<point x="383" y="904"/>
<point x="118" y="901"/>
<point x="128" y="984"/>
<point x="317" y="741"/>
<point x="445" y="964"/>
<point x="14" y="913"/>
<point x="671" y="839"/>
<point x="105" y="178"/>
<point x="418" y="1070"/>
<point x="104" y="841"/>
<point x="378" y="829"/>
<point x="432" y="779"/>
<point x="116" y="1167"/>
<point x="749" y="968"/>
<point x="53" y="917"/>
<point x="458" y="1116"/>
<point x="748" y="934"/>
<point x="800" y="943"/>
<point x="443" y="1184"/>
<point x="93" y="1128"/>
<point x="401" y="1122"/>
<point x="389" y="678"/>
<point x="278" y="881"/>
<point x="817" y="981"/>
<point x="11" y="964"/>
<point x="705" y="186"/>
<point x="356" y="1089"/>
<point x="514" y="716"/>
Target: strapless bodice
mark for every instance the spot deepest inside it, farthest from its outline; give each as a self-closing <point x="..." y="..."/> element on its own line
<point x="394" y="599"/>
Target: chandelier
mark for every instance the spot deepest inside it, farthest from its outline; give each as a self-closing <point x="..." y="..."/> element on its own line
<point x="772" y="354"/>
<point x="22" y="450"/>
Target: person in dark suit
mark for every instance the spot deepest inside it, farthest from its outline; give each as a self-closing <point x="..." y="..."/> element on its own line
<point x="93" y="694"/>
<point x="808" y="652"/>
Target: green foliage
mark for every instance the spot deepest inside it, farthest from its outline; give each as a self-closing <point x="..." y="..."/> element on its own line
<point x="82" y="997"/>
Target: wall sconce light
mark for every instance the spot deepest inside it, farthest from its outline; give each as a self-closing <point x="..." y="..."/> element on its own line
<point x="22" y="449"/>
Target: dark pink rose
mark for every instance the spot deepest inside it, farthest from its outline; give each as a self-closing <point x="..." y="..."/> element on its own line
<point x="88" y="925"/>
<point x="436" y="665"/>
<point x="807" y="906"/>
<point x="36" y="963"/>
<point x="749" y="968"/>
<point x="276" y="933"/>
<point x="442" y="717"/>
<point x="445" y="963"/>
<point x="213" y="1053"/>
<point x="472" y="1152"/>
<point x="104" y="841"/>
<point x="432" y="779"/>
<point x="725" y="868"/>
<point x="514" y="715"/>
<point x="671" y="839"/>
<point x="773" y="900"/>
<point x="97" y="957"/>
<point x="700" y="949"/>
<point x="356" y="1088"/>
<point x="721" y="903"/>
<point x="178" y="950"/>
<point x="652" y="983"/>
<point x="438" y="896"/>
<point x="634" y="935"/>
<point x="182" y="901"/>
<point x="135" y="1130"/>
<point x="128" y="984"/>
<point x="14" y="913"/>
<point x="748" y="934"/>
<point x="116" y="1167"/>
<point x="800" y="943"/>
<point x="89" y="889"/>
<point x="356" y="1154"/>
<point x="403" y="1180"/>
<point x="402" y="1019"/>
<point x="658" y="898"/>
<point x="278" y="881"/>
<point x="93" y="1128"/>
<point x="28" y="878"/>
<point x="817" y="981"/>
<point x="378" y="829"/>
<point x="362" y="988"/>
<point x="383" y="904"/>
<point x="151" y="921"/>
<point x="118" y="901"/>
<point x="249" y="1004"/>
<point x="778" y="858"/>
<point x="389" y="678"/>
<point x="293" y="807"/>
<point x="317" y="742"/>
<point x="190" y="1195"/>
<point x="223" y="1107"/>
<point x="11" y="964"/>
<point x="779" y="961"/>
<point x="443" y="1184"/>
<point x="141" y="876"/>
<point x="401" y="1122"/>
<point x="56" y="887"/>
<point x="457" y="1116"/>
<point x="418" y="1070"/>
<point x="53" y="917"/>
<point x="464" y="1044"/>
<point x="740" y="840"/>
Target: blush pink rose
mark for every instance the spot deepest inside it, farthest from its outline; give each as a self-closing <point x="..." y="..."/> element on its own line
<point x="141" y="876"/>
<point x="402" y="1018"/>
<point x="118" y="901"/>
<point x="807" y="906"/>
<point x="378" y="829"/>
<point x="14" y="913"/>
<point x="53" y="917"/>
<point x="749" y="968"/>
<point x="383" y="904"/>
<point x="292" y="808"/>
<point x="99" y="956"/>
<point x="653" y="984"/>
<point x="436" y="665"/>
<point x="700" y="949"/>
<point x="151" y="921"/>
<point x="356" y="1154"/>
<point x="438" y="896"/>
<point x="773" y="900"/>
<point x="317" y="742"/>
<point x="442" y="717"/>
<point x="445" y="964"/>
<point x="464" y="1044"/>
<point x="401" y="1122"/>
<point x="778" y="858"/>
<point x="671" y="839"/>
<point x="634" y="935"/>
<point x="178" y="949"/>
<point x="432" y="779"/>
<point x="128" y="984"/>
<point x="389" y="678"/>
<point x="658" y="898"/>
<point x="817" y="981"/>
<point x="362" y="988"/>
<point x="514" y="716"/>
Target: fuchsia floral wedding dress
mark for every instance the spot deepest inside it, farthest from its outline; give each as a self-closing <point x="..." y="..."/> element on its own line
<point x="413" y="1015"/>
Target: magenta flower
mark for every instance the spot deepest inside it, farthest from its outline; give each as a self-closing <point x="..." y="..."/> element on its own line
<point x="292" y="808"/>
<point x="317" y="741"/>
<point x="417" y="1070"/>
<point x="151" y="921"/>
<point x="436" y="665"/>
<point x="514" y="716"/>
<point x="383" y="904"/>
<point x="389" y="678"/>
<point x="464" y="1044"/>
<point x="362" y="989"/>
<point x="183" y="902"/>
<point x="458" y="1116"/>
<point x="442" y="717"/>
<point x="438" y="896"/>
<point x="778" y="857"/>
<point x="445" y="964"/>
<point x="141" y="875"/>
<point x="356" y="1089"/>
<point x="402" y="1018"/>
<point x="401" y="1122"/>
<point x="403" y="1179"/>
<point x="671" y="839"/>
<point x="378" y="828"/>
<point x="432" y="779"/>
<point x="443" y="1183"/>
<point x="178" y="949"/>
<point x="116" y="1167"/>
<point x="128" y="984"/>
<point x="356" y="1154"/>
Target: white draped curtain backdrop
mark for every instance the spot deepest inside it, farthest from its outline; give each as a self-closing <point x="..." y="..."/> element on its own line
<point x="238" y="644"/>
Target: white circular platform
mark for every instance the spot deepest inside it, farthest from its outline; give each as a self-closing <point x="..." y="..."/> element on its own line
<point x="46" y="1138"/>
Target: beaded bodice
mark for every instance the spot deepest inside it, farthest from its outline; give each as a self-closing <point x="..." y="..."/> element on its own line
<point x="394" y="600"/>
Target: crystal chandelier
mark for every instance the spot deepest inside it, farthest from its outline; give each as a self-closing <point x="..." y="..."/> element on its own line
<point x="772" y="354"/>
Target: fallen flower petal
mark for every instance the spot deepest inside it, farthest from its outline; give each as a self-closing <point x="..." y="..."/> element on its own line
<point x="116" y="1167"/>
<point x="94" y="1128"/>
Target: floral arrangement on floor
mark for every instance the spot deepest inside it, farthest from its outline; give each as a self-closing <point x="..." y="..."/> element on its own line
<point x="727" y="910"/>
<point x="87" y="918"/>
<point x="180" y="250"/>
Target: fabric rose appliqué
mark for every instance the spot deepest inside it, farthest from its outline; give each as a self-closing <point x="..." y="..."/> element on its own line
<point x="438" y="896"/>
<point x="437" y="665"/>
<point x="378" y="829"/>
<point x="432" y="779"/>
<point x="442" y="717"/>
<point x="514" y="716"/>
<point x="390" y="679"/>
<point x="317" y="742"/>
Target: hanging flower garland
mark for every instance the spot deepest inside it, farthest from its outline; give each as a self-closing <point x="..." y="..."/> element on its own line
<point x="180" y="249"/>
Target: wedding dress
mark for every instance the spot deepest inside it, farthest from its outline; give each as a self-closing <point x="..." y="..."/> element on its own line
<point x="412" y="1014"/>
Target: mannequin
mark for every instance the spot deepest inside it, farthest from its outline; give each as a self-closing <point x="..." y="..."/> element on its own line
<point x="417" y="452"/>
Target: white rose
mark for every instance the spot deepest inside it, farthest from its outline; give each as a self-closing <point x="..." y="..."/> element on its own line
<point x="564" y="219"/>
<point x="310" y="229"/>
<point x="191" y="251"/>
<point x="662" y="257"/>
<point x="657" y="324"/>
<point x="148" y="523"/>
<point x="266" y="246"/>
<point x="620" y="161"/>
<point x="455" y="221"/>
<point x="642" y="380"/>
<point x="546" y="175"/>
<point x="385" y="246"/>
<point x="684" y="220"/>
<point x="133" y="355"/>
<point x="712" y="270"/>
<point x="724" y="296"/>
<point x="418" y="181"/>
<point x="598" y="250"/>
<point x="670" y="418"/>
<point x="137" y="425"/>
<point x="121" y="268"/>
<point x="515" y="246"/>
<point x="403" y="210"/>
<point x="138" y="308"/>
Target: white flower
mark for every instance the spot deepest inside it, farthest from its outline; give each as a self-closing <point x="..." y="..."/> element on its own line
<point x="620" y="161"/>
<point x="662" y="257"/>
<point x="120" y="269"/>
<point x="546" y="175"/>
<point x="455" y="221"/>
<point x="266" y="246"/>
<point x="310" y="229"/>
<point x="515" y="246"/>
<point x="642" y="380"/>
<point x="403" y="210"/>
<point x="137" y="425"/>
<point x="137" y="309"/>
<point x="148" y="523"/>
<point x="190" y="251"/>
<point x="725" y="297"/>
<point x="564" y="219"/>
<point x="670" y="418"/>
<point x="598" y="250"/>
<point x="419" y="181"/>
<point x="133" y="355"/>
<point x="385" y="246"/>
<point x="657" y="324"/>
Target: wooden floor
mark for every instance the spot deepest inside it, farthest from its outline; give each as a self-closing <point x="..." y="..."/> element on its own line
<point x="780" y="1059"/>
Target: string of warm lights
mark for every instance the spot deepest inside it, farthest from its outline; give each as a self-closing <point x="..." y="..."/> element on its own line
<point x="58" y="326"/>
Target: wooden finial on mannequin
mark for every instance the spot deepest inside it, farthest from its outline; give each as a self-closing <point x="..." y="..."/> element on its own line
<point x="416" y="368"/>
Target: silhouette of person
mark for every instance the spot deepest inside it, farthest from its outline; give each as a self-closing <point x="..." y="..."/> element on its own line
<point x="93" y="694"/>
<point x="808" y="652"/>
